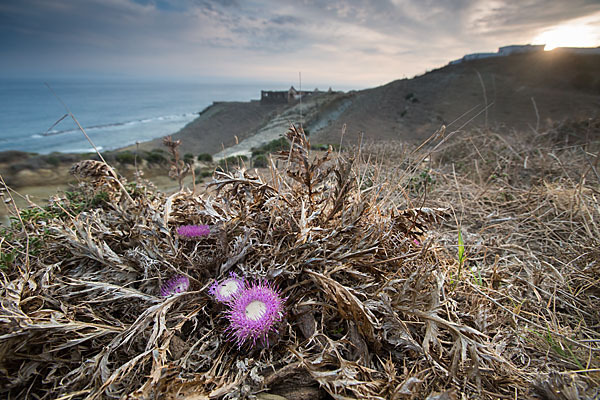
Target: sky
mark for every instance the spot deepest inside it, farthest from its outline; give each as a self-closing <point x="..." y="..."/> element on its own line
<point x="351" y="43"/>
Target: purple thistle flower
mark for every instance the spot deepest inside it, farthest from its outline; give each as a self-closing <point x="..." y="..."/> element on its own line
<point x="177" y="284"/>
<point x="193" y="231"/>
<point x="226" y="290"/>
<point x="254" y="313"/>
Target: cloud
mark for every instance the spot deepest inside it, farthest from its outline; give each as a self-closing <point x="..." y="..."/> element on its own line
<point x="347" y="41"/>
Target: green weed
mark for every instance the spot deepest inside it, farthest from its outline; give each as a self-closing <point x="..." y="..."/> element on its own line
<point x="563" y="350"/>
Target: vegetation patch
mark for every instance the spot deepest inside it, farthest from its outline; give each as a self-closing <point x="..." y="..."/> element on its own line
<point x="205" y="157"/>
<point x="273" y="146"/>
<point x="156" y="156"/>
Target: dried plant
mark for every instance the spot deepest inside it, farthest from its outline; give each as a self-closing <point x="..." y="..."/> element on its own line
<point x="90" y="169"/>
<point x="363" y="263"/>
<point x="179" y="169"/>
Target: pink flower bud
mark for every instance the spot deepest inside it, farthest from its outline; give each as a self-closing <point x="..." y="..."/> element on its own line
<point x="177" y="284"/>
<point x="193" y="231"/>
<point x="226" y="290"/>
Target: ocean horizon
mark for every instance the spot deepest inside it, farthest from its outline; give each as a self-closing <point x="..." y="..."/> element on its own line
<point x="114" y="114"/>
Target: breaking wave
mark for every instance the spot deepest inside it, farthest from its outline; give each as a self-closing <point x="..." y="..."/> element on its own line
<point x="173" y="117"/>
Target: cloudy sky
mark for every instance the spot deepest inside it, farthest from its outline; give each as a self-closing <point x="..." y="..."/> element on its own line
<point x="357" y="43"/>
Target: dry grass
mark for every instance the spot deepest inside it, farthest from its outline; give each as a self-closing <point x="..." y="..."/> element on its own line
<point x="364" y="245"/>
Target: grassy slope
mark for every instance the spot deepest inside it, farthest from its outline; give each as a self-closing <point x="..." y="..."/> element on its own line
<point x="447" y="93"/>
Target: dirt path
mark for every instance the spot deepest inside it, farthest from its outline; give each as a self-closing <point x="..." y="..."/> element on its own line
<point x="314" y="113"/>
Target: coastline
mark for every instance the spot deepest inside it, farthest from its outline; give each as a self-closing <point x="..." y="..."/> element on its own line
<point x="114" y="112"/>
<point x="33" y="178"/>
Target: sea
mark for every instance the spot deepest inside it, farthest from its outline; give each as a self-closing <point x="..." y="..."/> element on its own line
<point x="34" y="114"/>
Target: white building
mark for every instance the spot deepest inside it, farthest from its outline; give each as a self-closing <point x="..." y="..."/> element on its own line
<point x="525" y="48"/>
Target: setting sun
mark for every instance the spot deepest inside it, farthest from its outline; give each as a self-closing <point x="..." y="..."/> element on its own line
<point x="572" y="35"/>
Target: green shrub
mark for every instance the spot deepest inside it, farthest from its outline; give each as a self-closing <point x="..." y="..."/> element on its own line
<point x="156" y="156"/>
<point x="7" y="258"/>
<point x="188" y="158"/>
<point x="125" y="157"/>
<point x="52" y="160"/>
<point x="203" y="172"/>
<point x="55" y="159"/>
<point x="260" y="161"/>
<point x="324" y="147"/>
<point x="319" y="147"/>
<point x="74" y="203"/>
<point x="271" y="147"/>
<point x="205" y="157"/>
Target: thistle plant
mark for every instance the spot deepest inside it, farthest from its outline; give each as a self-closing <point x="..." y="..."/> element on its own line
<point x="179" y="168"/>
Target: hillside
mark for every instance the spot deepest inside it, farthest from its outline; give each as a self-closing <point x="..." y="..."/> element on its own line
<point x="219" y="125"/>
<point x="562" y="85"/>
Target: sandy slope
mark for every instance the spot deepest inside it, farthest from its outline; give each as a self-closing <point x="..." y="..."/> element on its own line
<point x="219" y="126"/>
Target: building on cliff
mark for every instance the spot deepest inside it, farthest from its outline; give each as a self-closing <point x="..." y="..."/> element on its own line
<point x="502" y="52"/>
<point x="284" y="96"/>
<point x="520" y="49"/>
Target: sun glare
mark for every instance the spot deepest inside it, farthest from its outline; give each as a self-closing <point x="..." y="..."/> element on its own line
<point x="572" y="35"/>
